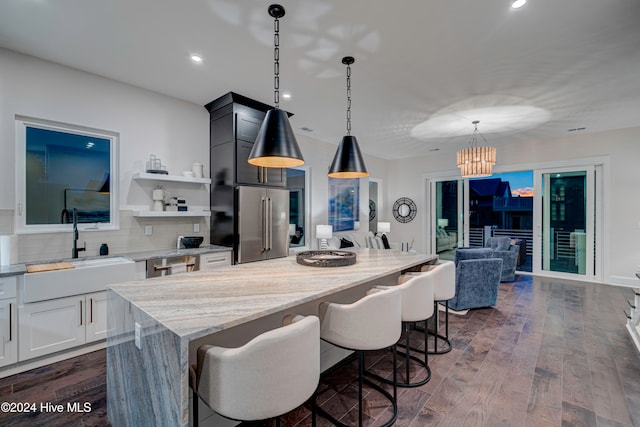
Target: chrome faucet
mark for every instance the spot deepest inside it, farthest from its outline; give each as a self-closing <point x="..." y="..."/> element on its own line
<point x="76" y="249"/>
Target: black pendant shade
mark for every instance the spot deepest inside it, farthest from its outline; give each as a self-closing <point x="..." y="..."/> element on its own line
<point x="348" y="161"/>
<point x="276" y="145"/>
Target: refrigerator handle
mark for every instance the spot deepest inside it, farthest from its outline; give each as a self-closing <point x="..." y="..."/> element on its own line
<point x="270" y="242"/>
<point x="263" y="207"/>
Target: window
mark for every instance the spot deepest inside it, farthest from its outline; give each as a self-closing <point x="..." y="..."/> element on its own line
<point x="296" y="184"/>
<point x="62" y="169"/>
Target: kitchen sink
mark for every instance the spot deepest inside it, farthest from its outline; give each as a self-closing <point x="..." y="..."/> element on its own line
<point x="88" y="275"/>
<point x="89" y="263"/>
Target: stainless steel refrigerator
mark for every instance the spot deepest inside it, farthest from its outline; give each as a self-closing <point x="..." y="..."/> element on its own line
<point x="263" y="223"/>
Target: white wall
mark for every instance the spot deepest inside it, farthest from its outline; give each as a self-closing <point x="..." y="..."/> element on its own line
<point x="622" y="147"/>
<point x="174" y="130"/>
<point x="318" y="156"/>
<point x="148" y="123"/>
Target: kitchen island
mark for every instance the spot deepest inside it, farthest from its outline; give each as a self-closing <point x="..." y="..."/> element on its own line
<point x="155" y="326"/>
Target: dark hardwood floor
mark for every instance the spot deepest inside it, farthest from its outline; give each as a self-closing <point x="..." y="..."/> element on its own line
<point x="551" y="353"/>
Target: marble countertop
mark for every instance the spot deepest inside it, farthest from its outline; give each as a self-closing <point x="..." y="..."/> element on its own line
<point x="18" y="269"/>
<point x="165" y="253"/>
<point x="205" y="302"/>
<point x="12" y="270"/>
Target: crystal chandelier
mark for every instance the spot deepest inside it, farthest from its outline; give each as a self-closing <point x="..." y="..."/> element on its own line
<point x="475" y="161"/>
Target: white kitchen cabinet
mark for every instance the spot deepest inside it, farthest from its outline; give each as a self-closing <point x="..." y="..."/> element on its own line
<point x="8" y="321"/>
<point x="96" y="316"/>
<point x="8" y="332"/>
<point x="60" y="324"/>
<point x="214" y="260"/>
<point x="50" y="326"/>
<point x="141" y="270"/>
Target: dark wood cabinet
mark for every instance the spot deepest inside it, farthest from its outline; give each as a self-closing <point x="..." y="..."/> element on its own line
<point x="236" y="120"/>
<point x="235" y="123"/>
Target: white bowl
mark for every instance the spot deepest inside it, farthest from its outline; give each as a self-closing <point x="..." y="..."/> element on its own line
<point x="188" y="174"/>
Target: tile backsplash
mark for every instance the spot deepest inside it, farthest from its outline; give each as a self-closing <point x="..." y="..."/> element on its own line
<point x="129" y="238"/>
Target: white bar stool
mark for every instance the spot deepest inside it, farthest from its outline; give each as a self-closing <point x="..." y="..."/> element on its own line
<point x="269" y="376"/>
<point x="443" y="290"/>
<point x="416" y="290"/>
<point x="371" y="323"/>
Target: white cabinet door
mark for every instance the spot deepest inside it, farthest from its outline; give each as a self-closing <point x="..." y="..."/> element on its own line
<point x="141" y="270"/>
<point x="96" y="316"/>
<point x="8" y="332"/>
<point x="50" y="326"/>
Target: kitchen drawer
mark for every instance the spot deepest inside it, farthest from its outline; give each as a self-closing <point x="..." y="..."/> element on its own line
<point x="8" y="286"/>
<point x="213" y="260"/>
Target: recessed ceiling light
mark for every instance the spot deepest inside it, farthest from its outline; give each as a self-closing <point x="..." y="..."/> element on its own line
<point x="196" y="58"/>
<point x="286" y="95"/>
<point x="517" y="4"/>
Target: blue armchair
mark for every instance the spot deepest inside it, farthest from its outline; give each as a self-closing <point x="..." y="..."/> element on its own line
<point x="477" y="278"/>
<point x="502" y="248"/>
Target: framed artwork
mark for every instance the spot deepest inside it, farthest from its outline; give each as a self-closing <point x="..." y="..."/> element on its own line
<point x="344" y="203"/>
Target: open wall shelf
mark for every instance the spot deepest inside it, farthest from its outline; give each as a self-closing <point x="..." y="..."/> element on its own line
<point x="170" y="178"/>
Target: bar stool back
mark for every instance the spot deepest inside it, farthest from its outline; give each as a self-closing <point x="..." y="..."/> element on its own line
<point x="269" y="376"/>
<point x="416" y="291"/>
<point x="444" y="289"/>
<point x="371" y="323"/>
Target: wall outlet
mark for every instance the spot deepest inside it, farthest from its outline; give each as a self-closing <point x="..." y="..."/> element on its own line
<point x="137" y="336"/>
<point x="196" y="228"/>
<point x="148" y="230"/>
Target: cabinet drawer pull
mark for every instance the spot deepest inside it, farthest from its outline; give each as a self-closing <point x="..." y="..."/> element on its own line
<point x="10" y="321"/>
<point x="80" y="312"/>
<point x="216" y="260"/>
<point x="160" y="268"/>
<point x="90" y="310"/>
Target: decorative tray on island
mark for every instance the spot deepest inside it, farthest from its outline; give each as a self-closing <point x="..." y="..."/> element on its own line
<point x="328" y="258"/>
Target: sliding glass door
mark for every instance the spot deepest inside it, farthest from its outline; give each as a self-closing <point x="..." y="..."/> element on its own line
<point x="447" y="217"/>
<point x="564" y="222"/>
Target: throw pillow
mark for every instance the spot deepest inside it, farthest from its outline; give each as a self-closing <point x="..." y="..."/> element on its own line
<point x="344" y="243"/>
<point x="385" y="241"/>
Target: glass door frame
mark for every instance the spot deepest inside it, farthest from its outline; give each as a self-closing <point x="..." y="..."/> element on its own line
<point x="593" y="256"/>
<point x="462" y="208"/>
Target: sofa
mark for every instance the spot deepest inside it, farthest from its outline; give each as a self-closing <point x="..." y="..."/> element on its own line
<point x="445" y="240"/>
<point x="477" y="278"/>
<point x="502" y="248"/>
<point x="359" y="239"/>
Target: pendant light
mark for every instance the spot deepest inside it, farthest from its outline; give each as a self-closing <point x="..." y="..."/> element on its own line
<point x="474" y="161"/>
<point x="276" y="145"/>
<point x="348" y="161"/>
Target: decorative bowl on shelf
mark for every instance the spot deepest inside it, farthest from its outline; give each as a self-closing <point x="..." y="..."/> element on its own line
<point x="191" y="242"/>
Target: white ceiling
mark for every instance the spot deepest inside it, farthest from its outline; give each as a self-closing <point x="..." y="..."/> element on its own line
<point x="531" y="73"/>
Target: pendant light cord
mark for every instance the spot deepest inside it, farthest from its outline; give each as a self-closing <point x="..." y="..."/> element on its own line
<point x="348" y="99"/>
<point x="473" y="142"/>
<point x="276" y="62"/>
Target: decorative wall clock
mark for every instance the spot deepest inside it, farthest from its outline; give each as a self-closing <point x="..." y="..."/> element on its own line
<point x="404" y="210"/>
